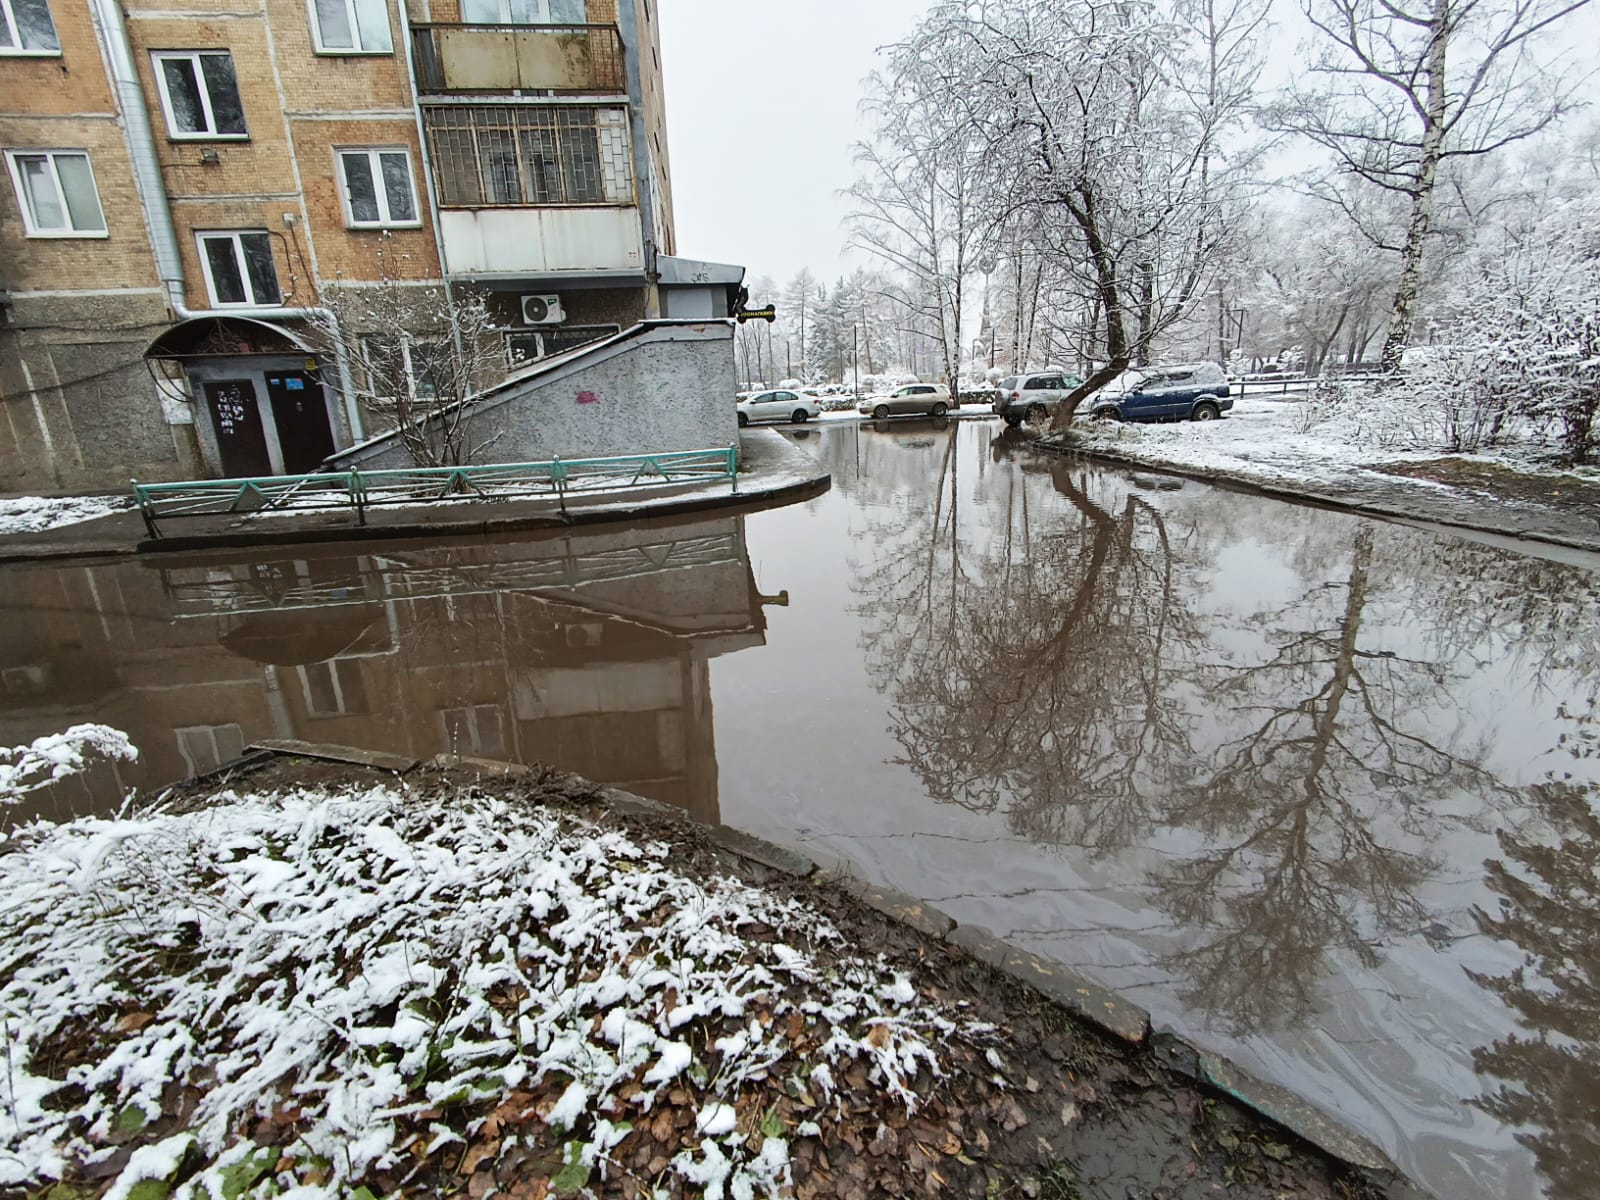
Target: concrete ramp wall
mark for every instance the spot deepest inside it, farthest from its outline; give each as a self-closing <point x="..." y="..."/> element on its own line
<point x="656" y="387"/>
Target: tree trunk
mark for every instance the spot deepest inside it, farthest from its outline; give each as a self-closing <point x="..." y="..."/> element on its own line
<point x="1403" y="311"/>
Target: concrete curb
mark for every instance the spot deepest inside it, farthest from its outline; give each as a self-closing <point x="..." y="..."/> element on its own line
<point x="1086" y="1001"/>
<point x="1245" y="483"/>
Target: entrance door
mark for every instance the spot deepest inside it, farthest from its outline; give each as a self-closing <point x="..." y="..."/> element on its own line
<point x="237" y="420"/>
<point x="301" y="414"/>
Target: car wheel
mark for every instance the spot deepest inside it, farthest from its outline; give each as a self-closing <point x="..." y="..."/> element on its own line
<point x="1107" y="414"/>
<point x="940" y="409"/>
<point x="881" y="412"/>
<point x="1013" y="420"/>
<point x="743" y="420"/>
<point x="798" y="416"/>
<point x="1037" y="413"/>
<point x="1206" y="411"/>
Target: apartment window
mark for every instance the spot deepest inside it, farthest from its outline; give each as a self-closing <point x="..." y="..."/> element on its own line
<point x="239" y="268"/>
<point x="334" y="688"/>
<point x="351" y="26"/>
<point x="55" y="189"/>
<point x="499" y="155"/>
<point x="26" y="28"/>
<point x="526" y="347"/>
<point x="199" y="94"/>
<point x="477" y="729"/>
<point x="207" y="747"/>
<point x="378" y="190"/>
<point x="525" y="12"/>
<point x="419" y="367"/>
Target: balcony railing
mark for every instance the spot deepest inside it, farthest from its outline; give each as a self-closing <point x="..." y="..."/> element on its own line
<point x="508" y="58"/>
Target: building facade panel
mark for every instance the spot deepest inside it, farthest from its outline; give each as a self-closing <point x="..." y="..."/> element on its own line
<point x="540" y="241"/>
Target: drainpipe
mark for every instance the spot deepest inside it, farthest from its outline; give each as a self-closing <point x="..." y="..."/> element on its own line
<point x="158" y="216"/>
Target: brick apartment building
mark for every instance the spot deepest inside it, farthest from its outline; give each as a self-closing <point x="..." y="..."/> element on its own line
<point x="190" y="183"/>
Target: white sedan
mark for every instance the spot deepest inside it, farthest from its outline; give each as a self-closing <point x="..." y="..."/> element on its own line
<point x="779" y="405"/>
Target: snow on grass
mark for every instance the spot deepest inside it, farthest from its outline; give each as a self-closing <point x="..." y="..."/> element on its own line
<point x="1263" y="439"/>
<point x="343" y="967"/>
<point x="34" y="514"/>
<point x="55" y="755"/>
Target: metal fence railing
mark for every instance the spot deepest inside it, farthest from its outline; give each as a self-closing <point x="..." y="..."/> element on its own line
<point x="1286" y="385"/>
<point x="358" y="491"/>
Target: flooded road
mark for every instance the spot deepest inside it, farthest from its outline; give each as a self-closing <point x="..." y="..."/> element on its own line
<point x="1319" y="792"/>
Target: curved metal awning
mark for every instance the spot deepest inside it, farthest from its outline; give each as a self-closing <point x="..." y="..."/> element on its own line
<point x="294" y="638"/>
<point x="224" y="336"/>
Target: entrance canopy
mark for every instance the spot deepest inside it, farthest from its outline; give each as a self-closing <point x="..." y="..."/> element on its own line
<point x="223" y="336"/>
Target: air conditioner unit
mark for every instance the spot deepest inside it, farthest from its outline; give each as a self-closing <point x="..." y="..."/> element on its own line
<point x="542" y="310"/>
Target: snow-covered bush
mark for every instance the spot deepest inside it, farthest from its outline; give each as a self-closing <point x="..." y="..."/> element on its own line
<point x="56" y="755"/>
<point x="1521" y="340"/>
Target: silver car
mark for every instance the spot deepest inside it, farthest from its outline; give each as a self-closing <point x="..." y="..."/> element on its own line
<point x="932" y="399"/>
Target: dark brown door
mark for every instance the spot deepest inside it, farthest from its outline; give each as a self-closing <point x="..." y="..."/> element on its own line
<point x="301" y="413"/>
<point x="240" y="438"/>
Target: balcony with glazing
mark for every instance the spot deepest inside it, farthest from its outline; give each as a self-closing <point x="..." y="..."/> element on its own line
<point x="572" y="59"/>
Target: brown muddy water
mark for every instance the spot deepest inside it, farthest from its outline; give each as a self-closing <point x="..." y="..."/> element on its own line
<point x="1319" y="792"/>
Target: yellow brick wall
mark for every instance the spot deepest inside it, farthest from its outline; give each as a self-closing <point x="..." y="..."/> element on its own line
<point x="73" y="83"/>
<point x="122" y="259"/>
<point x="361" y="253"/>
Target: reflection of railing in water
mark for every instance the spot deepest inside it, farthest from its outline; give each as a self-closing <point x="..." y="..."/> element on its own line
<point x="195" y="591"/>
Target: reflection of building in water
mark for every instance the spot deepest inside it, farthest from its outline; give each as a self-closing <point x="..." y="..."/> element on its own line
<point x="590" y="653"/>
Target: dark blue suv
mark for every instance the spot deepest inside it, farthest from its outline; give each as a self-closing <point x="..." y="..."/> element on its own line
<point x="1188" y="391"/>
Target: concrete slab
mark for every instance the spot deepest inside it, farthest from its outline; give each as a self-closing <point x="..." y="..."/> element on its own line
<point x="890" y="902"/>
<point x="344" y="754"/>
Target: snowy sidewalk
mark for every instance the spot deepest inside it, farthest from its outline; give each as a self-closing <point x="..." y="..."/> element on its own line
<point x="772" y="470"/>
<point x="1261" y="445"/>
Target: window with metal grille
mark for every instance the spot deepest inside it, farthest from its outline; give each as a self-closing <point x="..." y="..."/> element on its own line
<point x="503" y="155"/>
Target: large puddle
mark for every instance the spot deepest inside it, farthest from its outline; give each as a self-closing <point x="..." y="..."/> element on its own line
<point x="1319" y="792"/>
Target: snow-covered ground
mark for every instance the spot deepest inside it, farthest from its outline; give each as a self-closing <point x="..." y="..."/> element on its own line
<point x="299" y="989"/>
<point x="34" y="514"/>
<point x="1261" y="439"/>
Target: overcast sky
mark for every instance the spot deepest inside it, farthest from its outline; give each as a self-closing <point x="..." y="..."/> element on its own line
<point x="761" y="111"/>
<point x="763" y="105"/>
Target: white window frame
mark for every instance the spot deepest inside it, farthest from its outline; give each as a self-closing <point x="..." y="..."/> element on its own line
<point x="193" y="737"/>
<point x="544" y="17"/>
<point x="408" y="343"/>
<point x="355" y="27"/>
<point x="210" y="133"/>
<point x="8" y="17"/>
<point x="244" y="270"/>
<point x="331" y="667"/>
<point x="29" y="225"/>
<point x="385" y="221"/>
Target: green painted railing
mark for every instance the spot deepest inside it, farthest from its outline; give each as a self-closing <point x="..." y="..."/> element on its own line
<point x="358" y="490"/>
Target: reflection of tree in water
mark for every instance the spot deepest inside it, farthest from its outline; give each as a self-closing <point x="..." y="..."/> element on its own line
<point x="1549" y="908"/>
<point x="1063" y="681"/>
<point x="1295" y="806"/>
<point x="1033" y="673"/>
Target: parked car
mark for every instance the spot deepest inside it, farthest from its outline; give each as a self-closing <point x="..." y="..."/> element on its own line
<point x="932" y="399"/>
<point x="1033" y="397"/>
<point x="778" y="405"/>
<point x="1187" y="391"/>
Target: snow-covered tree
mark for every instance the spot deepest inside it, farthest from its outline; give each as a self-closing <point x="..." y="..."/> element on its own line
<point x="1109" y="120"/>
<point x="1395" y="92"/>
<point x="416" y="356"/>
